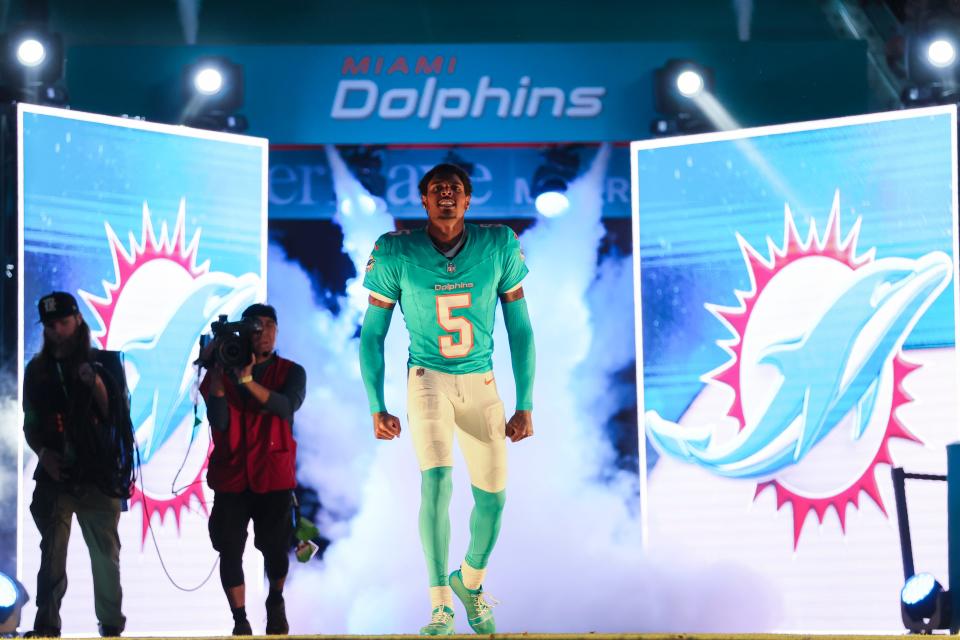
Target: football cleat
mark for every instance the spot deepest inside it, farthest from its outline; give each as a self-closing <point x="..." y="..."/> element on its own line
<point x="441" y="623"/>
<point x="479" y="611"/>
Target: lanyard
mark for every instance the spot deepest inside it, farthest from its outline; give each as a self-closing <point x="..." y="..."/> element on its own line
<point x="63" y="382"/>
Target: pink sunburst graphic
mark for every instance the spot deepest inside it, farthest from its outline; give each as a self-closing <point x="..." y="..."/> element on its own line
<point x="173" y="255"/>
<point x="765" y="273"/>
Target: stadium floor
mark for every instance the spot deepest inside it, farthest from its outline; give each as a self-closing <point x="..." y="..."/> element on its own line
<point x="598" y="636"/>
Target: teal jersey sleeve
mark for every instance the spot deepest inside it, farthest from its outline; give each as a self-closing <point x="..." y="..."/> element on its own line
<point x="383" y="269"/>
<point x="514" y="263"/>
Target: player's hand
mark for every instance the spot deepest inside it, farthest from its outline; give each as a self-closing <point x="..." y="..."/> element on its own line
<point x="386" y="426"/>
<point x="51" y="462"/>
<point x="86" y="374"/>
<point x="520" y="426"/>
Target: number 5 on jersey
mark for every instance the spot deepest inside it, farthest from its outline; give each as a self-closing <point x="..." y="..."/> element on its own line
<point x="459" y="345"/>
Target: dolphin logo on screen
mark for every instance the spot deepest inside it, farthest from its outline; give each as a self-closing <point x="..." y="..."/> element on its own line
<point x="162" y="402"/>
<point x="825" y="377"/>
<point x="160" y="302"/>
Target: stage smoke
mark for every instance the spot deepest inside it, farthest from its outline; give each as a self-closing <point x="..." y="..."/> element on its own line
<point x="569" y="556"/>
<point x="11" y="422"/>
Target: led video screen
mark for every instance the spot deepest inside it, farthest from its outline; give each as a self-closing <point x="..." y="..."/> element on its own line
<point x="796" y="289"/>
<point x="156" y="230"/>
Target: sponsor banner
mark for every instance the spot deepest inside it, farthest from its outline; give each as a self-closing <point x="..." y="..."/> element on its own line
<point x="470" y="93"/>
<point x="503" y="178"/>
<point x="797" y="296"/>
<point x="156" y="230"/>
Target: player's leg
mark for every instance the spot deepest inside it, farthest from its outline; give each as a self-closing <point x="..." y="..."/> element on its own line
<point x="430" y="415"/>
<point x="481" y="421"/>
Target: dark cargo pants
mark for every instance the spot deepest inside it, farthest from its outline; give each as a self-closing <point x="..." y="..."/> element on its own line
<point x="53" y="508"/>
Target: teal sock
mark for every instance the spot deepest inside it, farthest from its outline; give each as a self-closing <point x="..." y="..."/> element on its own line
<point x="435" y="489"/>
<point x="484" y="525"/>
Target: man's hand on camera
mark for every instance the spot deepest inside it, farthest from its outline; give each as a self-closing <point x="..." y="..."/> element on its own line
<point x="243" y="373"/>
<point x="206" y="358"/>
<point x="51" y="462"/>
<point x="386" y="426"/>
<point x="245" y="379"/>
<point x="215" y="373"/>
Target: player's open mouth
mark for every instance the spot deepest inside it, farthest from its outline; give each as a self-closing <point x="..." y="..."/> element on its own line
<point x="445" y="202"/>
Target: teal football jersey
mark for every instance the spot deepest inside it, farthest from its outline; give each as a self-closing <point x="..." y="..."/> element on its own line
<point x="448" y="304"/>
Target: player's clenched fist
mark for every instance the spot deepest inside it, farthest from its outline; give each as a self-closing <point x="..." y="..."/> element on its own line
<point x="385" y="426"/>
<point x="520" y="426"/>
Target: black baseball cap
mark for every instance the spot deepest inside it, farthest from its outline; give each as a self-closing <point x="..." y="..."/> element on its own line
<point x="56" y="305"/>
<point x="260" y="310"/>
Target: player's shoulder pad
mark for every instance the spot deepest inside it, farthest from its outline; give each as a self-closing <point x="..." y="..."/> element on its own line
<point x="387" y="244"/>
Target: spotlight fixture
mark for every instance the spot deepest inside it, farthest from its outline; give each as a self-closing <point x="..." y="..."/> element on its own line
<point x="552" y="203"/>
<point x="208" y="81"/>
<point x="676" y="82"/>
<point x="212" y="89"/>
<point x="215" y="83"/>
<point x="12" y="598"/>
<point x="941" y="53"/>
<point x="550" y="180"/>
<point x="930" y="59"/>
<point x="689" y="83"/>
<point x="366" y="164"/>
<point x="31" y="52"/>
<point x="32" y="55"/>
<point x="924" y="604"/>
<point x="677" y="85"/>
<point x="919" y="595"/>
<point x="32" y="66"/>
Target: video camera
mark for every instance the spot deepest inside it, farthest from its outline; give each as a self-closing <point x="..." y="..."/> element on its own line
<point x="229" y="344"/>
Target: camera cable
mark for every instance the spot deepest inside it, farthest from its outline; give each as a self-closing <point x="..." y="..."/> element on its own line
<point x="146" y="512"/>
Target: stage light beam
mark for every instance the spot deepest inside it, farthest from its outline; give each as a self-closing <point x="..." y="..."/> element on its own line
<point x="551" y="203"/>
<point x="367" y="204"/>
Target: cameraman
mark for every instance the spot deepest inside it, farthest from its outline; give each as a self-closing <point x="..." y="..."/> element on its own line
<point x="252" y="468"/>
<point x="66" y="407"/>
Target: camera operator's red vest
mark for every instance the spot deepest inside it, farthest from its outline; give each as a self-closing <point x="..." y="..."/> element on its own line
<point x="257" y="451"/>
